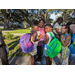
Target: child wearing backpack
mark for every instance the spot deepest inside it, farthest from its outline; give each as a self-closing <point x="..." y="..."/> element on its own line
<point x="48" y="30"/>
<point x="34" y="40"/>
<point x="66" y="41"/>
<point x="29" y="42"/>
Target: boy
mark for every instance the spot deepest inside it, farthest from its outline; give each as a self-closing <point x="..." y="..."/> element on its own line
<point x="48" y="28"/>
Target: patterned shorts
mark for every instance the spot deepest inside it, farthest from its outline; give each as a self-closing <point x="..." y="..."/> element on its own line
<point x="34" y="52"/>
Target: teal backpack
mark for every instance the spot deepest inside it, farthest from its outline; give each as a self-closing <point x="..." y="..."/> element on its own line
<point x="54" y="47"/>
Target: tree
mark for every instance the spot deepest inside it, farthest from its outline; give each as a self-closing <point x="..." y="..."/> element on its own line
<point x="67" y="14"/>
<point x="14" y="15"/>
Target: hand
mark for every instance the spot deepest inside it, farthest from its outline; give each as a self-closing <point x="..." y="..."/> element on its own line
<point x="62" y="36"/>
<point x="38" y="37"/>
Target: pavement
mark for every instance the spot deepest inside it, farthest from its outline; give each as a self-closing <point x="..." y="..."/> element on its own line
<point x="25" y="60"/>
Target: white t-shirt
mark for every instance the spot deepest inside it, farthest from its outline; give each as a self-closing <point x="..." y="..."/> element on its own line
<point x="57" y="26"/>
<point x="49" y="37"/>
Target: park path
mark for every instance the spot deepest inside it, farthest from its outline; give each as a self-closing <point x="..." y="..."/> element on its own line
<point x="15" y="34"/>
<point x="25" y="60"/>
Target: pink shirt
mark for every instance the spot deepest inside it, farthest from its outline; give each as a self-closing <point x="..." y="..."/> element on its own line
<point x="42" y="33"/>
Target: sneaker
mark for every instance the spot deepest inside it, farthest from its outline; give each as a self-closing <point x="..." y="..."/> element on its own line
<point x="39" y="62"/>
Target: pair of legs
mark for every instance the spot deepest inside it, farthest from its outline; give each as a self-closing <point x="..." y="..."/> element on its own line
<point x="72" y="56"/>
<point x="32" y="59"/>
<point x="39" y="52"/>
<point x="48" y="61"/>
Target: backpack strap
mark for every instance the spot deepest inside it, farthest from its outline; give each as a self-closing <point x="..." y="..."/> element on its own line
<point x="66" y="35"/>
<point x="52" y="35"/>
<point x="41" y="29"/>
<point x="65" y="52"/>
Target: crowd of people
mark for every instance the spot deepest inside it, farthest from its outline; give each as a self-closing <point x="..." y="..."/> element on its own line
<point x="41" y="36"/>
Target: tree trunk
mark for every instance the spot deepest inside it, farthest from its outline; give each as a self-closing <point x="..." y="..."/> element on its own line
<point x="6" y="22"/>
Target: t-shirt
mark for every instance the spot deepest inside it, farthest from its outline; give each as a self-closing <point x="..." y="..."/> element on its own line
<point x="57" y="26"/>
<point x="42" y="32"/>
<point x="49" y="37"/>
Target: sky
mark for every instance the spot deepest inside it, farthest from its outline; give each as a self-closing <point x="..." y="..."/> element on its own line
<point x="53" y="16"/>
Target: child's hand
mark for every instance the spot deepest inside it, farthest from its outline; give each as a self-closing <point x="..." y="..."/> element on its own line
<point x="62" y="36"/>
<point x="43" y="41"/>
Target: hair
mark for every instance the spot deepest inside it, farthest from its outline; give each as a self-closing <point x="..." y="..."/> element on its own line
<point x="67" y="26"/>
<point x="42" y="20"/>
<point x="36" y="22"/>
<point x="60" y="18"/>
<point x="34" y="25"/>
<point x="69" y="23"/>
<point x="48" y="25"/>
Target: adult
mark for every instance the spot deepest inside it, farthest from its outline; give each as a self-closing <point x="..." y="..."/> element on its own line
<point x="3" y="52"/>
<point x="57" y="27"/>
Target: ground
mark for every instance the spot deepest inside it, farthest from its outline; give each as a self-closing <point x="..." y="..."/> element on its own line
<point x="25" y="60"/>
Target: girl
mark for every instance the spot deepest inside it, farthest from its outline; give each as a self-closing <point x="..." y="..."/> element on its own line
<point x="66" y="40"/>
<point x="34" y="40"/>
<point x="48" y="28"/>
<point x="41" y="37"/>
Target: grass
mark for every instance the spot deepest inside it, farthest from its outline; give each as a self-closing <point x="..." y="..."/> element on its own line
<point x="14" y="49"/>
<point x="13" y="45"/>
<point x="21" y="31"/>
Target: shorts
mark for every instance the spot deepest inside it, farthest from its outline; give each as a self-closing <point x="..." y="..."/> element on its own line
<point x="34" y="52"/>
<point x="72" y="57"/>
<point x="45" y="50"/>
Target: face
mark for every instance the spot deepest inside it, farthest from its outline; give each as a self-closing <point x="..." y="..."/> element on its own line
<point x="48" y="29"/>
<point x="36" y="28"/>
<point x="41" y="23"/>
<point x="64" y="30"/>
<point x="60" y="21"/>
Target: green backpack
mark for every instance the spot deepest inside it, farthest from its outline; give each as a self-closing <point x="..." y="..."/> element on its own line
<point x="54" y="47"/>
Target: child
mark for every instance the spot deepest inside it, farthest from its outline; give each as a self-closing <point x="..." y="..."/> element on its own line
<point x="66" y="40"/>
<point x="34" y="40"/>
<point x="41" y="37"/>
<point x="48" y="28"/>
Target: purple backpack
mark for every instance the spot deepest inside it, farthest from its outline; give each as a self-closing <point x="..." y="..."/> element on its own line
<point x="25" y="43"/>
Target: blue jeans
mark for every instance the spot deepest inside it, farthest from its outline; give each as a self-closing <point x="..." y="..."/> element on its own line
<point x="45" y="50"/>
<point x="72" y="57"/>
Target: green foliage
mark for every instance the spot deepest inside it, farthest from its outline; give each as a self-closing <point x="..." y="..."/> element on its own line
<point x="13" y="45"/>
<point x="8" y="36"/>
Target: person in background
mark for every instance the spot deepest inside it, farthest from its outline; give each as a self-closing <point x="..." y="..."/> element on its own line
<point x="66" y="41"/>
<point x="57" y="27"/>
<point x="3" y="52"/>
<point x="41" y="37"/>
